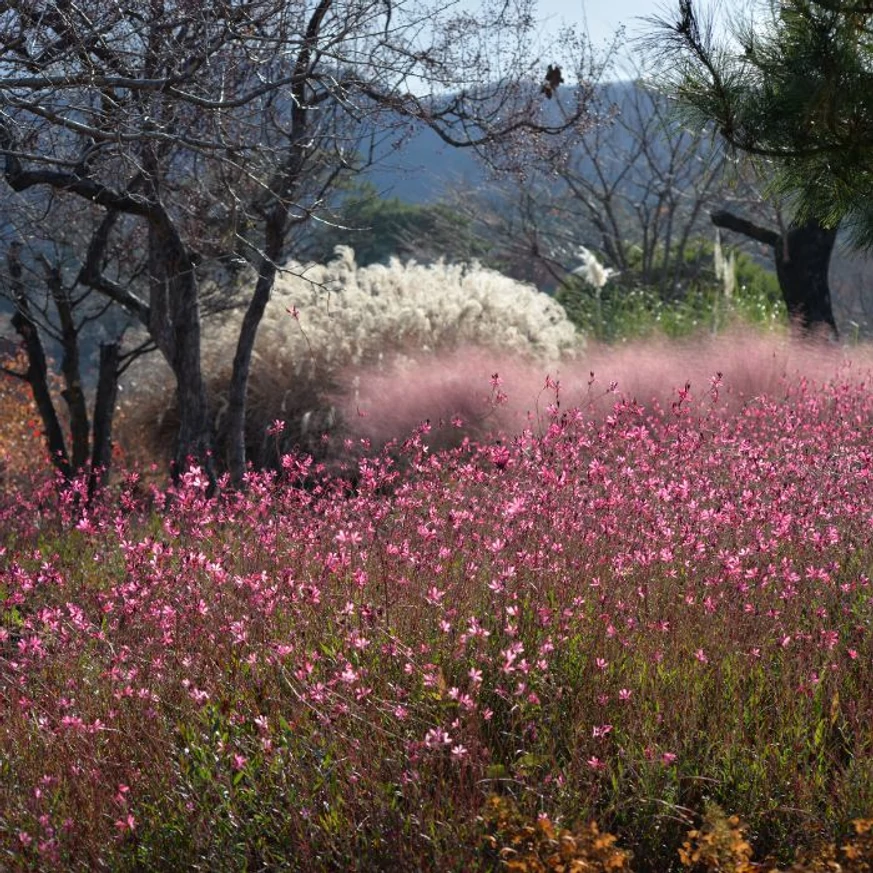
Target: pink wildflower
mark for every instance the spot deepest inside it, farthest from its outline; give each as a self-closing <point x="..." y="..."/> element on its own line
<point x="128" y="823"/>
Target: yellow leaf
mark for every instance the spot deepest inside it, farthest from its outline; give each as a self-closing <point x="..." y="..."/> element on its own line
<point x="862" y="825"/>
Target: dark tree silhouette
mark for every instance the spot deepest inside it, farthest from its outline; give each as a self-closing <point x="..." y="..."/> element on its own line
<point x="794" y="93"/>
<point x="802" y="255"/>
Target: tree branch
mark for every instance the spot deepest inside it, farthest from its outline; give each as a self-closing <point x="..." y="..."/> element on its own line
<point x="20" y="179"/>
<point x="6" y="371"/>
<point x="729" y="221"/>
<point x="92" y="275"/>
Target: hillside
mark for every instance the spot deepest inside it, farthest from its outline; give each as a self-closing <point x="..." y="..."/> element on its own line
<point x="425" y="168"/>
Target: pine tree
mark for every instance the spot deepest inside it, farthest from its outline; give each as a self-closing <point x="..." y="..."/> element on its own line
<point x="793" y="89"/>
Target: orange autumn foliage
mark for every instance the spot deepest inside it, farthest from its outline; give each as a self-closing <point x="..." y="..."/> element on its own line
<point x="22" y="448"/>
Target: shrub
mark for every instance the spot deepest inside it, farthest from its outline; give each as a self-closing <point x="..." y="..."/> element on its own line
<point x="628" y="307"/>
<point x="327" y="322"/>
<point x="22" y="447"/>
<point x="541" y="846"/>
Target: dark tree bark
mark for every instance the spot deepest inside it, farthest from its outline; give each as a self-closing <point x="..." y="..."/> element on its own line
<point x="802" y="256"/>
<point x="242" y="359"/>
<point x="172" y="315"/>
<point x="104" y="409"/>
<point x="91" y="439"/>
<point x="37" y="368"/>
<point x="73" y="394"/>
<point x="175" y="327"/>
<point x="275" y="215"/>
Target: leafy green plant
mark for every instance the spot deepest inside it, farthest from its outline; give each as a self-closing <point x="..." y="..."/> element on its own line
<point x="379" y="229"/>
<point x="624" y="309"/>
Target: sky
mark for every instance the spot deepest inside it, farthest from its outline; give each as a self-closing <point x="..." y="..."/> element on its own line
<point x="603" y="17"/>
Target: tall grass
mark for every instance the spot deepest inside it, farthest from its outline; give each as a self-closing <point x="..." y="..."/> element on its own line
<point x="380" y="402"/>
<point x="346" y="353"/>
<point x="324" y="323"/>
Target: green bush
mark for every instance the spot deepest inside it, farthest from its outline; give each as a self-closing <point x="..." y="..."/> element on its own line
<point x="627" y="307"/>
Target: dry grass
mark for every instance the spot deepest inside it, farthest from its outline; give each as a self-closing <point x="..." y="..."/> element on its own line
<point x="325" y="324"/>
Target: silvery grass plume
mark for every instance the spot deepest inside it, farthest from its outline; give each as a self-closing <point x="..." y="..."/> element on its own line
<point x="327" y="325"/>
<point x="725" y="267"/>
<point x="591" y="270"/>
<point x="360" y="315"/>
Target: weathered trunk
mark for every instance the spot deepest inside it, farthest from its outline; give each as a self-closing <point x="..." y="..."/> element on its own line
<point x="37" y="378"/>
<point x="802" y="256"/>
<point x="282" y="188"/>
<point x="73" y="393"/>
<point x="242" y="359"/>
<point x="175" y="327"/>
<point x="97" y="443"/>
<point x="194" y="442"/>
<point x="37" y="369"/>
<point x="104" y="410"/>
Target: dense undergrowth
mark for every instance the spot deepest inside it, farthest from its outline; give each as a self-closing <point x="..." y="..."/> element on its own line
<point x="456" y="660"/>
<point x="372" y="351"/>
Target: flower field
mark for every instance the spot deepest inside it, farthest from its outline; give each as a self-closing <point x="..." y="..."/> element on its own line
<point x="458" y="660"/>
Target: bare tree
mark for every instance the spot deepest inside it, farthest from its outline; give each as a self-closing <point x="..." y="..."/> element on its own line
<point x="642" y="183"/>
<point x="637" y="187"/>
<point x="212" y="129"/>
<point x="55" y="315"/>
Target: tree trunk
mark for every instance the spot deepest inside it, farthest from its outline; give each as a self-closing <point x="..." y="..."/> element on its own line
<point x="37" y="369"/>
<point x="802" y="257"/>
<point x="275" y="212"/>
<point x="104" y="410"/>
<point x="175" y="327"/>
<point x="194" y="442"/>
<point x="37" y="378"/>
<point x="242" y="359"/>
<point x="73" y="394"/>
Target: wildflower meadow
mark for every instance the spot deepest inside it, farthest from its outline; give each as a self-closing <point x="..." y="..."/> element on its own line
<point x="627" y="635"/>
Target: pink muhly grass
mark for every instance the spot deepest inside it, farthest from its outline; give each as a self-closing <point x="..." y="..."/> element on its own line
<point x="381" y="403"/>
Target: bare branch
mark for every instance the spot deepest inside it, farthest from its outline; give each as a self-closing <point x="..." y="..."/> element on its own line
<point x="729" y="221"/>
<point x="92" y="275"/>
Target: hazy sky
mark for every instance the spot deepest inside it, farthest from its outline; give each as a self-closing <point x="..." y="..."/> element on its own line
<point x="604" y="17"/>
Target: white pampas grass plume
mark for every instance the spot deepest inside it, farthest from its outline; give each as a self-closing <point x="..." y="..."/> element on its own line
<point x="725" y="267"/>
<point x="591" y="270"/>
